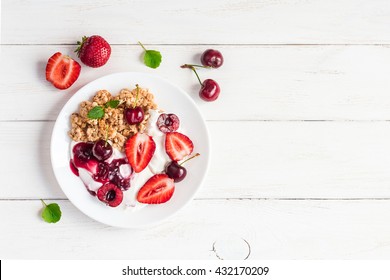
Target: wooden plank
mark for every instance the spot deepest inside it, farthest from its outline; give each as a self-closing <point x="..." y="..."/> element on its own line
<point x="257" y="83"/>
<point x="203" y="21"/>
<point x="249" y="160"/>
<point x="273" y="230"/>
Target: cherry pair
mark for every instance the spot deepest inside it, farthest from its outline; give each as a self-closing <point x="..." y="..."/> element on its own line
<point x="210" y="89"/>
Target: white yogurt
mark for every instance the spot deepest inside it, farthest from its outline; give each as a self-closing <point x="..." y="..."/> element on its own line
<point x="156" y="166"/>
<point x="88" y="181"/>
<point x="160" y="157"/>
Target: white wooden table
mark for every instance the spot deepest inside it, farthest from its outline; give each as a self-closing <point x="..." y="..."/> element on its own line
<point x="300" y="163"/>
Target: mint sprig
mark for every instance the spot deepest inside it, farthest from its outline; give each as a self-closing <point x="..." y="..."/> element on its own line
<point x="97" y="112"/>
<point x="152" y="58"/>
<point x="112" y="104"/>
<point x="51" y="213"/>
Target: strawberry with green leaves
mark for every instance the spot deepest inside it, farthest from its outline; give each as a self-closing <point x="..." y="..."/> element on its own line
<point x="93" y="51"/>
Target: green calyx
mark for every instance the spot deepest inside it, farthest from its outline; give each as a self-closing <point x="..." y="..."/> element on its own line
<point x="80" y="45"/>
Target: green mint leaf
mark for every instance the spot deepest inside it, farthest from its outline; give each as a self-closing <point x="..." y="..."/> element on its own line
<point x="51" y="213"/>
<point x="152" y="58"/>
<point x="112" y="104"/>
<point x="96" y="112"/>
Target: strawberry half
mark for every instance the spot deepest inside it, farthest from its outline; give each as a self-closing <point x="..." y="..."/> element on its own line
<point x="178" y="146"/>
<point x="158" y="189"/>
<point x="62" y="71"/>
<point x="139" y="151"/>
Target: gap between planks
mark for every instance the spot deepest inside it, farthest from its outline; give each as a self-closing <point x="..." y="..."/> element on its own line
<point x="225" y="120"/>
<point x="222" y="45"/>
<point x="234" y="198"/>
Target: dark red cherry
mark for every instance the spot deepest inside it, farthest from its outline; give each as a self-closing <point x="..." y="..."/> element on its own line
<point x="84" y="158"/>
<point x="210" y="90"/>
<point x="102" y="150"/>
<point x="83" y="151"/>
<point x="175" y="171"/>
<point x="134" y="115"/>
<point x="212" y="58"/>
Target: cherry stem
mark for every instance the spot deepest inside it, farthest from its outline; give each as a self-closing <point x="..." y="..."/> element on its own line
<point x="136" y="97"/>
<point x="44" y="204"/>
<point x="105" y="144"/>
<point x="197" y="154"/>
<point x="190" y="66"/>
<point x="200" y="82"/>
<point x="142" y="45"/>
<point x="194" y="65"/>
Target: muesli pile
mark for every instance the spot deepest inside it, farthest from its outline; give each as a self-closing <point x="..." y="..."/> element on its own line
<point x="113" y="123"/>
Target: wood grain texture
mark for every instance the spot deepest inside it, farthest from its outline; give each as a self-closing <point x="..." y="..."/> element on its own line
<point x="274" y="230"/>
<point x="274" y="83"/>
<point x="197" y="22"/>
<point x="291" y="187"/>
<point x="263" y="160"/>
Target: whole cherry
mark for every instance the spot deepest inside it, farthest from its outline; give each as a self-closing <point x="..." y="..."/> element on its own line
<point x="102" y="150"/>
<point x="212" y="58"/>
<point x="135" y="114"/>
<point x="176" y="171"/>
<point x="209" y="90"/>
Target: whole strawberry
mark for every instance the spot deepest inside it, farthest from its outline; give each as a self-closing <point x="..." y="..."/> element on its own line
<point x="93" y="51"/>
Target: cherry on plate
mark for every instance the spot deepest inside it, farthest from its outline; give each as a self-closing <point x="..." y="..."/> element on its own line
<point x="134" y="115"/>
<point x="175" y="171"/>
<point x="110" y="194"/>
<point x="102" y="150"/>
<point x="168" y="123"/>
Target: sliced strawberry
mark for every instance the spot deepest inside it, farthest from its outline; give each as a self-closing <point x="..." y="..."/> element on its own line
<point x="62" y="71"/>
<point x="158" y="189"/>
<point x="139" y="151"/>
<point x="178" y="145"/>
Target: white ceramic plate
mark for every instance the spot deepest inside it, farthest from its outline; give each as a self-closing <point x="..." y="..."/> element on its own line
<point x="169" y="98"/>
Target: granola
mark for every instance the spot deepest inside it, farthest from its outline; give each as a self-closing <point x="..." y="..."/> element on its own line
<point x="113" y="125"/>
